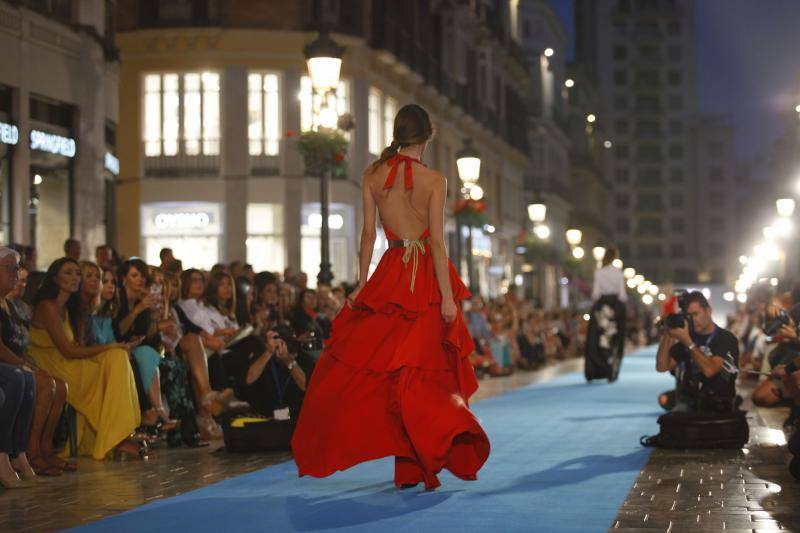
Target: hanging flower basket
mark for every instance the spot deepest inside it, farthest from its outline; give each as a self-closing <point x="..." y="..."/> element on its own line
<point x="471" y="213"/>
<point x="323" y="151"/>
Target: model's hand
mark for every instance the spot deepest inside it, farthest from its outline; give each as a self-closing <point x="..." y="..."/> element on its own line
<point x="449" y="310"/>
<point x="353" y="295"/>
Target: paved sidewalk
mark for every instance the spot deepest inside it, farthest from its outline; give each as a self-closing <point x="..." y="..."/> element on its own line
<point x="715" y="490"/>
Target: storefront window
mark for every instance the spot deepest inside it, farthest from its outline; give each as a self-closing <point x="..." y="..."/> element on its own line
<point x="389" y="112"/>
<point x="340" y="222"/>
<point x="5" y="179"/>
<point x="340" y="100"/>
<point x="266" y="249"/>
<point x="192" y="229"/>
<point x="264" y="114"/>
<point x="181" y="114"/>
<point x="374" y="125"/>
<point x="49" y="207"/>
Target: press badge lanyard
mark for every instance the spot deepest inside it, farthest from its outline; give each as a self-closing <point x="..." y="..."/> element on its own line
<point x="706" y="350"/>
<point x="282" y="412"/>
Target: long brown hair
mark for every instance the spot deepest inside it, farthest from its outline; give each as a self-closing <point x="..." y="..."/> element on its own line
<point x="611" y="254"/>
<point x="49" y="290"/>
<point x="412" y="125"/>
<point x="210" y="297"/>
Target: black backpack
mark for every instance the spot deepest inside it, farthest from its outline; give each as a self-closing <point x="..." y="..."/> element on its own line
<point x="700" y="430"/>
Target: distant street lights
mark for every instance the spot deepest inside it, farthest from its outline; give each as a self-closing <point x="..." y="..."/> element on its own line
<point x="324" y="61"/>
<point x="468" y="162"/>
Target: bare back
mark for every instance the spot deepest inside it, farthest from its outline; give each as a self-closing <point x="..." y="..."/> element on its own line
<point x="404" y="212"/>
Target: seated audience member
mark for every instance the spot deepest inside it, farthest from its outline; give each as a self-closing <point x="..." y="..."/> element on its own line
<point x="137" y="321"/>
<point x="104" y="257"/>
<point x="17" y="391"/>
<point x="185" y="293"/>
<point x="703" y="358"/>
<point x="304" y="319"/>
<point x="265" y="303"/>
<point x="100" y="383"/>
<point x="531" y="346"/>
<point x="72" y="249"/>
<point x="167" y="259"/>
<point x="50" y="393"/>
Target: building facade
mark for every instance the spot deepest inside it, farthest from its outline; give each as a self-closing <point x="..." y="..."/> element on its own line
<point x="58" y="113"/>
<point x="714" y="223"/>
<point x="643" y="55"/>
<point x="214" y="96"/>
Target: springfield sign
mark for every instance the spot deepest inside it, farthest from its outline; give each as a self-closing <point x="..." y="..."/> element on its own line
<point x="9" y="133"/>
<point x="52" y="143"/>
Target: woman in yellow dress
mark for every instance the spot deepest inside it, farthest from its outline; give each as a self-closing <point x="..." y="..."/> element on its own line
<point x="100" y="382"/>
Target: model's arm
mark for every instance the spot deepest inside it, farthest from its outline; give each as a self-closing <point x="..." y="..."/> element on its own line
<point x="367" y="234"/>
<point x="438" y="250"/>
<point x="47" y="314"/>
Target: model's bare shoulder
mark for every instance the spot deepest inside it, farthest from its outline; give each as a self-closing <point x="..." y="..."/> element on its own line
<point x="431" y="176"/>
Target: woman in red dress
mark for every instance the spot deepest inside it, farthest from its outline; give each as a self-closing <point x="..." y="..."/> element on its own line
<point x="395" y="376"/>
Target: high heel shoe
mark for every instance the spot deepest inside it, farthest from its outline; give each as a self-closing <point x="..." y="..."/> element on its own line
<point x="16" y="483"/>
<point x="125" y="450"/>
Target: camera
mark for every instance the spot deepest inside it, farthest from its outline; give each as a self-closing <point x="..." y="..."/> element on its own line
<point x="771" y="326"/>
<point x="679" y="320"/>
<point x="286" y="334"/>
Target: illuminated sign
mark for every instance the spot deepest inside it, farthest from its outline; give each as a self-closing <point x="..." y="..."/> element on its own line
<point x="112" y="163"/>
<point x="9" y="134"/>
<point x="182" y="220"/>
<point x="52" y="143"/>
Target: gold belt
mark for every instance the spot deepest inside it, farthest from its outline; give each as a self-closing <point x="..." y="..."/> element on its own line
<point x="413" y="248"/>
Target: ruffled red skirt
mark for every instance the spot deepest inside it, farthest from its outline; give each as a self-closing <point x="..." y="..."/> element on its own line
<point x="394" y="380"/>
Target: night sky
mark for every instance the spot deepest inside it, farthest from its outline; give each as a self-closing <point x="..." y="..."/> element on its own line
<point x="748" y="64"/>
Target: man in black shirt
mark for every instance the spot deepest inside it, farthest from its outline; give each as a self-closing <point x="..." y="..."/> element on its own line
<point x="704" y="359"/>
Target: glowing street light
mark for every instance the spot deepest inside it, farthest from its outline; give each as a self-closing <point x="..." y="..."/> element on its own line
<point x="617" y="263"/>
<point x="569" y="83"/>
<point x="578" y="252"/>
<point x="542" y="231"/>
<point x="629" y="272"/>
<point x="783" y="227"/>
<point x="537" y="212"/>
<point x="548" y="52"/>
<point x="574" y="236"/>
<point x="476" y="192"/>
<point x="590" y="118"/>
<point x="324" y="61"/>
<point x="468" y="162"/>
<point x="785" y="206"/>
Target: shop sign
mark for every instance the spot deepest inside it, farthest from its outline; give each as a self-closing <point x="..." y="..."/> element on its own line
<point x="52" y="143"/>
<point x="9" y="133"/>
<point x="112" y="163"/>
<point x="182" y="220"/>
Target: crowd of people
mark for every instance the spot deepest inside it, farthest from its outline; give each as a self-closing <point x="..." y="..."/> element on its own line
<point x="146" y="353"/>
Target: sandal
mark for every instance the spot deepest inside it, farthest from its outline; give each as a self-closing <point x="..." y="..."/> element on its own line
<point x="42" y="467"/>
<point x="125" y="450"/>
<point x="58" y="462"/>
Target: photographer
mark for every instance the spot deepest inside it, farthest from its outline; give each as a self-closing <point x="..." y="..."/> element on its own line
<point x="274" y="382"/>
<point x="779" y="327"/>
<point x="703" y="356"/>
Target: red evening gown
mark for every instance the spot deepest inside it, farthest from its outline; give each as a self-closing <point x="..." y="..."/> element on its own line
<point x="394" y="378"/>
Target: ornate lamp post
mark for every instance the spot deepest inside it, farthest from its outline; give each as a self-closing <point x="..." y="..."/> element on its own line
<point x="468" y="162"/>
<point x="324" y="62"/>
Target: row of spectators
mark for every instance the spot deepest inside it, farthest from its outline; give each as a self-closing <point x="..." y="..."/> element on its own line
<point x="143" y="353"/>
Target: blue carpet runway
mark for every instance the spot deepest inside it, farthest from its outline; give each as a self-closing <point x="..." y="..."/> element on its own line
<point x="564" y="456"/>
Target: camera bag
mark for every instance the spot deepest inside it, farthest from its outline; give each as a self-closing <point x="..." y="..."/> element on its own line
<point x="256" y="434"/>
<point x="700" y="430"/>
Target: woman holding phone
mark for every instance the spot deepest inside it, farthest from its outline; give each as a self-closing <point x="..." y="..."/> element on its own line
<point x="137" y="320"/>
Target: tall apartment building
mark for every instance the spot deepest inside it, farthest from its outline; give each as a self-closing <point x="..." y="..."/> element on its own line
<point x="718" y="242"/>
<point x="642" y="54"/>
<point x="215" y="94"/>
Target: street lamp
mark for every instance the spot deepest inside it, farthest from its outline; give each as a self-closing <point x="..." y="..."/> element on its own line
<point x="537" y="211"/>
<point x="468" y="162"/>
<point x="324" y="62"/>
<point x="598" y="252"/>
<point x="785" y="207"/>
<point x="574" y="237"/>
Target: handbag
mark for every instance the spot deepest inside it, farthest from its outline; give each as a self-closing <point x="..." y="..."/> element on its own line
<point x="256" y="433"/>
